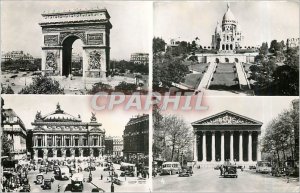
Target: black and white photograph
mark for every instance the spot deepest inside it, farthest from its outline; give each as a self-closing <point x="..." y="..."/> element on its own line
<point x="240" y="144"/>
<point x="60" y="144"/>
<point x="226" y="48"/>
<point x="75" y="47"/>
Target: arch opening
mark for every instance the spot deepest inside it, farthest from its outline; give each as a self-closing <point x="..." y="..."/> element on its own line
<point x="72" y="56"/>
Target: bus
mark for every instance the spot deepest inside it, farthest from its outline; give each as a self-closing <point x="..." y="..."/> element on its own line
<point x="64" y="172"/>
<point x="171" y="168"/>
<point x="263" y="167"/>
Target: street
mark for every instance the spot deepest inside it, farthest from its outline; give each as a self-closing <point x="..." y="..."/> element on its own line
<point x="131" y="184"/>
<point x="208" y="180"/>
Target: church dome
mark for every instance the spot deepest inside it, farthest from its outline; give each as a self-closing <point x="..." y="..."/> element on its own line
<point x="228" y="17"/>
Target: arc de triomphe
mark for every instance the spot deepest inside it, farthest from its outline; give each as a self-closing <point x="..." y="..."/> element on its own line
<point x="61" y="29"/>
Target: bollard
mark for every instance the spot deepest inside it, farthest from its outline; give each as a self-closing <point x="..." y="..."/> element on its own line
<point x="112" y="188"/>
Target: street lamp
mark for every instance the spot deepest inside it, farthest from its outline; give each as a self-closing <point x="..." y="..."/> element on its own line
<point x="89" y="145"/>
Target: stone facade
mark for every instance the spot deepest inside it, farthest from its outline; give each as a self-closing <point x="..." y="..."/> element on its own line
<point x="227" y="136"/>
<point x="227" y="37"/>
<point x="59" y="135"/>
<point x="61" y="29"/>
<point x="136" y="137"/>
<point x="15" y="130"/>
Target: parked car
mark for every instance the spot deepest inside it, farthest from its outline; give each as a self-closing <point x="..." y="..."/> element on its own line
<point x="47" y="184"/>
<point x="127" y="173"/>
<point x="42" y="168"/>
<point x="184" y="173"/>
<point x="230" y="171"/>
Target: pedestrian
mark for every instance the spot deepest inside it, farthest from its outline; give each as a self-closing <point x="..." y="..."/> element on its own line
<point x="58" y="188"/>
<point x="221" y="170"/>
<point x="101" y="176"/>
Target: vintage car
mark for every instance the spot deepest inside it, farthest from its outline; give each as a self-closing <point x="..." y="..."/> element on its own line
<point x="184" y="173"/>
<point x="127" y="173"/>
<point x="26" y="188"/>
<point x="39" y="179"/>
<point x="42" y="168"/>
<point x="77" y="182"/>
<point x="47" y="184"/>
<point x="230" y="171"/>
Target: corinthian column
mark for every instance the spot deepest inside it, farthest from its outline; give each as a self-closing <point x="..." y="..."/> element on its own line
<point x="258" y="154"/>
<point x="204" y="147"/>
<point x="213" y="146"/>
<point x="231" y="145"/>
<point x="222" y="146"/>
<point x="250" y="146"/>
<point x="195" y="147"/>
<point x="241" y="147"/>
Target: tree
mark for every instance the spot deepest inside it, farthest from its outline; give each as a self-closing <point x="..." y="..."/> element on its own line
<point x="7" y="145"/>
<point x="158" y="45"/>
<point x="43" y="85"/>
<point x="175" y="135"/>
<point x="6" y="90"/>
<point x="286" y="80"/>
<point x="100" y="87"/>
<point x="275" y="46"/>
<point x="279" y="138"/>
<point x="126" y="88"/>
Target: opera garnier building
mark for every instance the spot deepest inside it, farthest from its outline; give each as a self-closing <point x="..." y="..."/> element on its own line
<point x="61" y="136"/>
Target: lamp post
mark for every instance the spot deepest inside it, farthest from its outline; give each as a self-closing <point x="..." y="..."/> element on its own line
<point x="89" y="145"/>
<point x="181" y="158"/>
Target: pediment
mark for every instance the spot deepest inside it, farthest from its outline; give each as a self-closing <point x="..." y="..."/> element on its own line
<point x="227" y="118"/>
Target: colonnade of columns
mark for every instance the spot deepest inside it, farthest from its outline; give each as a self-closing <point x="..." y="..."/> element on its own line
<point x="54" y="138"/>
<point x="222" y="146"/>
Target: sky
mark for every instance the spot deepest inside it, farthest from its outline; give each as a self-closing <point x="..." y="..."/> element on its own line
<point x="259" y="21"/>
<point x="262" y="109"/>
<point x="26" y="107"/>
<point x="131" y="22"/>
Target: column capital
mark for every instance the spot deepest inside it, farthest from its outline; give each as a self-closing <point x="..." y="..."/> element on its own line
<point x="213" y="132"/>
<point x="241" y="132"/>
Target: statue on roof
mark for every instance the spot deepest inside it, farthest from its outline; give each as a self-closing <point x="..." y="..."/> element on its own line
<point x="79" y="117"/>
<point x="38" y="115"/>
<point x="58" y="107"/>
<point x="93" y="118"/>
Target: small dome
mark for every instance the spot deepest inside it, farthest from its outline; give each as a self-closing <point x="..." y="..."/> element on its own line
<point x="218" y="28"/>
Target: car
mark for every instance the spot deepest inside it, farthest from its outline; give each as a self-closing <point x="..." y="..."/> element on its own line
<point x="217" y="167"/>
<point x="13" y="84"/>
<point x="97" y="190"/>
<point x="106" y="169"/>
<point x="184" y="173"/>
<point x="230" y="171"/>
<point x="127" y="174"/>
<point x="90" y="168"/>
<point x="252" y="167"/>
<point x="47" y="184"/>
<point x="42" y="168"/>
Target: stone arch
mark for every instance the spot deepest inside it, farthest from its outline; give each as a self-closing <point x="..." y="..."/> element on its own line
<point x="50" y="153"/>
<point x="40" y="153"/>
<point x="236" y="60"/>
<point x="56" y="50"/>
<point x="67" y="44"/>
<point x="68" y="153"/>
<point x="96" y="152"/>
<point x="227" y="47"/>
<point x="227" y="60"/>
<point x="86" y="152"/>
<point x="77" y="152"/>
<point x="231" y="47"/>
<point x="223" y="47"/>
<point x="59" y="153"/>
